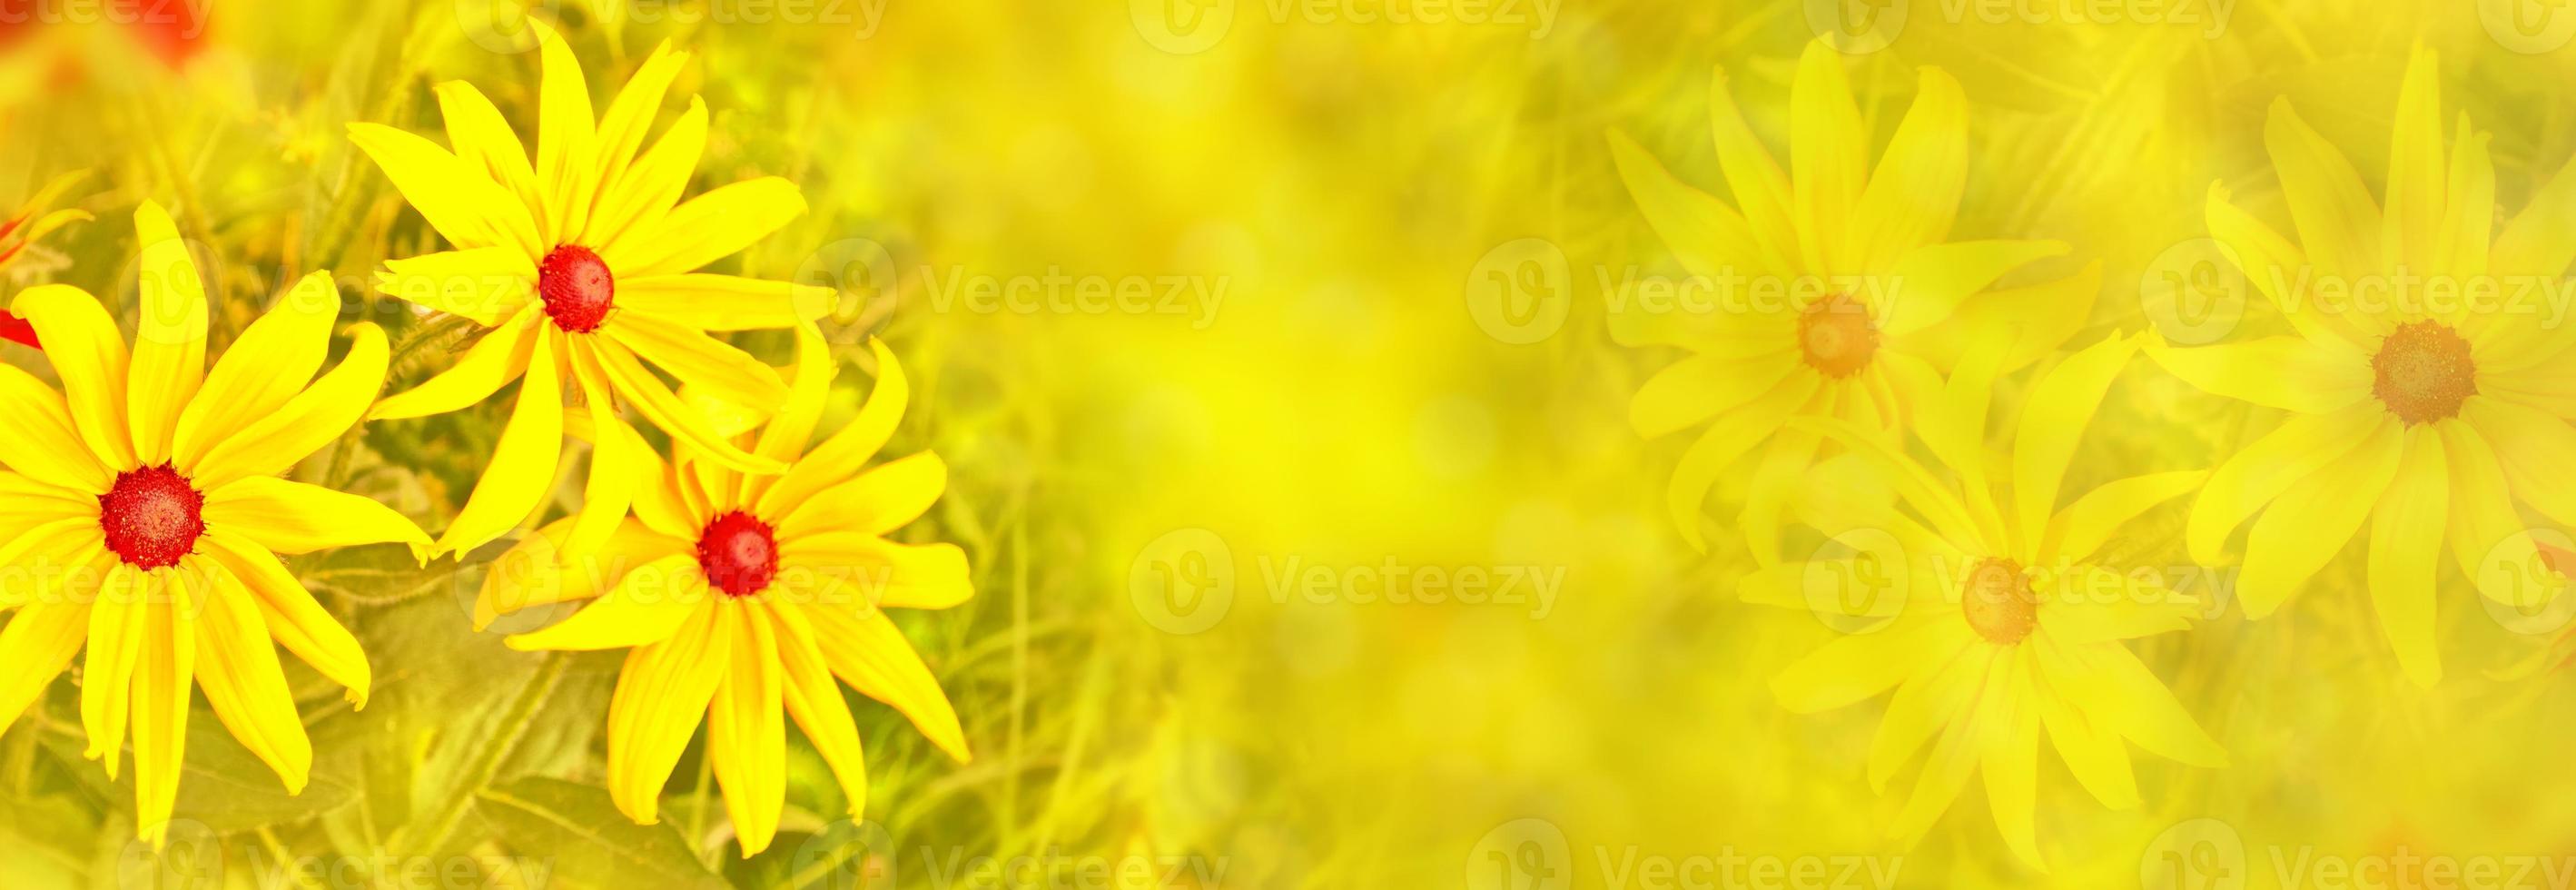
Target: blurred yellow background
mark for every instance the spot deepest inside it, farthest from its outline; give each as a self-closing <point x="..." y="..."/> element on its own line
<point x="1268" y="343"/>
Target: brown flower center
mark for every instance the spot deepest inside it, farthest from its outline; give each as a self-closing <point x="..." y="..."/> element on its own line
<point x="1999" y="602"/>
<point x="738" y="554"/>
<point x="2423" y="372"/>
<point x="1836" y="336"/>
<point x="577" y="288"/>
<point x="152" y="517"/>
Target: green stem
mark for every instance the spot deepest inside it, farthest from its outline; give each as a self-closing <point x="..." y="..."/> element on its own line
<point x="514" y="728"/>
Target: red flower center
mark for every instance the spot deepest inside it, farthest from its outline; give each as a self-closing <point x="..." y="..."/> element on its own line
<point x="152" y="516"/>
<point x="738" y="553"/>
<point x="577" y="288"/>
<point x="1836" y="336"/>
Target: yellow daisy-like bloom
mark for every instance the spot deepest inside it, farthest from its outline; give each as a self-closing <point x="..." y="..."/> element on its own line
<point x="1992" y="618"/>
<point x="2417" y="406"/>
<point x="581" y="265"/>
<point x="739" y="593"/>
<point x="1832" y="292"/>
<point x="143" y="511"/>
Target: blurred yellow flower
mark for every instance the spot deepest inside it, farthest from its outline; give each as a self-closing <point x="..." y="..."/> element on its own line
<point x="1835" y="291"/>
<point x="2423" y="401"/>
<point x="144" y="511"/>
<point x="1994" y="621"/>
<point x="741" y="592"/>
<point x="582" y="264"/>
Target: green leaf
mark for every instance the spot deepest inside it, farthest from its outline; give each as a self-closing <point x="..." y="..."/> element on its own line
<point x="587" y="840"/>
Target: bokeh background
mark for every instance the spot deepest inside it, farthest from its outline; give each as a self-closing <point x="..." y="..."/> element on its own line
<point x="1222" y="531"/>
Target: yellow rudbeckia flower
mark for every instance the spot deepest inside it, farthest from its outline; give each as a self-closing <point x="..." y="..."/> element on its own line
<point x="742" y="593"/>
<point x="1990" y="615"/>
<point x="2419" y="407"/>
<point x="1833" y="292"/>
<point x="583" y="267"/>
<point x="143" y="511"/>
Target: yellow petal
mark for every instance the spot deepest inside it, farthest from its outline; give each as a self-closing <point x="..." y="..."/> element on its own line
<point x="854" y="569"/>
<point x="621" y="131"/>
<point x="537" y="572"/>
<point x="2405" y="553"/>
<point x="35" y="648"/>
<point x="867" y="652"/>
<point x="1858" y="666"/>
<point x="2542" y="239"/>
<point x="88" y="354"/>
<point x="2259" y="472"/>
<point x="2059" y="407"/>
<point x="1828" y="154"/>
<point x="647" y="606"/>
<point x="169" y="360"/>
<point x="615" y="460"/>
<point x="666" y="410"/>
<point x="2119" y="693"/>
<point x="2311" y="521"/>
<point x="457" y="198"/>
<point x="1751" y="173"/>
<point x="747" y="732"/>
<point x="649" y="188"/>
<point x="1700" y="387"/>
<point x="118" y="633"/>
<point x="707" y="228"/>
<point x="1709" y="238"/>
<point x="1730" y="437"/>
<point x="2278" y="269"/>
<point x="484" y="141"/>
<point x="500" y="357"/>
<point x="486" y="284"/>
<point x="709" y="302"/>
<point x="2097" y="756"/>
<point x="813" y="698"/>
<point x="2040" y="317"/>
<point x="1920" y="707"/>
<point x="39" y="439"/>
<point x="1912" y="197"/>
<point x="2536" y="450"/>
<point x="2488" y="538"/>
<point x="878" y="501"/>
<point x="267" y="365"/>
<point x="2011" y="761"/>
<point x="1929" y="284"/>
<point x="271" y="444"/>
<point x="1954" y="758"/>
<point x="784" y="438"/>
<point x="523" y="464"/>
<point x="841" y="455"/>
<point x="661" y="695"/>
<point x="2289" y="373"/>
<point x="2417" y="174"/>
<point x="238" y="669"/>
<point x="2468" y="225"/>
<point x="160" y="708"/>
<point x="2079" y="531"/>
<point x="700" y="361"/>
<point x="297" y="517"/>
<point x="567" y="166"/>
<point x="293" y="617"/>
<point x="2334" y="213"/>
